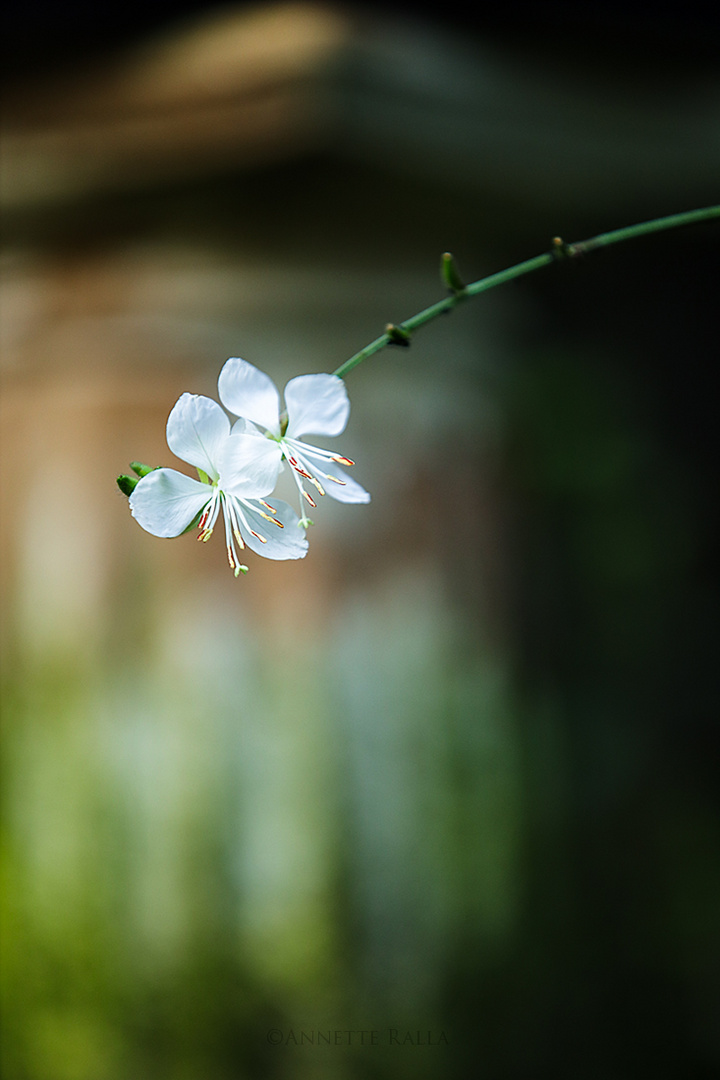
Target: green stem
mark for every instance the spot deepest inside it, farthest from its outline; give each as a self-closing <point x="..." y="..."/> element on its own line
<point x="560" y="251"/>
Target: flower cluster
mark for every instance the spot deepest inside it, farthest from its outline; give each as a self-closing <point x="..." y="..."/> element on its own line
<point x="238" y="464"/>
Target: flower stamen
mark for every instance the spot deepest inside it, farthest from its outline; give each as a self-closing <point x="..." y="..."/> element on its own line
<point x="298" y="468"/>
<point x="328" y="455"/>
<point x="268" y="518"/>
<point x="209" y="517"/>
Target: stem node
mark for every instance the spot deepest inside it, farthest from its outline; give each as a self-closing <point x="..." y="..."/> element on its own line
<point x="397" y="335"/>
<point x="400" y="335"/>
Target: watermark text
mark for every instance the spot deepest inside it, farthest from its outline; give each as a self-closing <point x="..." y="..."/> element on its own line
<point x="389" y="1036"/>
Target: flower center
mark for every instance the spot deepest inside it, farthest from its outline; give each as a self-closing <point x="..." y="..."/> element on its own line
<point x="234" y="518"/>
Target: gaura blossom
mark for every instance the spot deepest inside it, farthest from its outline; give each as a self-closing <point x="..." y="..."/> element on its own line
<point x="237" y="471"/>
<point x="316" y="404"/>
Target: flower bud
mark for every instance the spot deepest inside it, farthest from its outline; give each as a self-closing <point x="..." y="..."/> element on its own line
<point x="397" y="335"/>
<point x="141" y="470"/>
<point x="127" y="484"/>
<point x="450" y="273"/>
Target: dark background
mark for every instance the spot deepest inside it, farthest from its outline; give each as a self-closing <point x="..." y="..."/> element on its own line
<point x="42" y="32"/>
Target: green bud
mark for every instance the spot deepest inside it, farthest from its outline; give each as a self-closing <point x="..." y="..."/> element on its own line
<point x="127" y="484"/>
<point x="559" y="248"/>
<point x="142" y="470"/>
<point x="397" y="335"/>
<point x="450" y="273"/>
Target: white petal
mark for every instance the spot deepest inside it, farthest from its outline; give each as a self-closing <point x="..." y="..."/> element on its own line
<point x="348" y="492"/>
<point x="196" y="430"/>
<point x="165" y="501"/>
<point x="249" y="465"/>
<point x="244" y="427"/>
<point x="289" y="542"/>
<point x="248" y="392"/>
<point x="316" y="404"/>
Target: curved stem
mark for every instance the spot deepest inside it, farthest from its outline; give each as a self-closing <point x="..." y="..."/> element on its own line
<point x="560" y="251"/>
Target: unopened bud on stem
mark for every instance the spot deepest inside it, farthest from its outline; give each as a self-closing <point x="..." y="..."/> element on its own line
<point x="397" y="335"/>
<point x="127" y="484"/>
<point x="450" y="273"/>
<point x="141" y="470"/>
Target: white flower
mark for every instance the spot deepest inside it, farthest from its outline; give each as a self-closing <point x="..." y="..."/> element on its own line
<point x="237" y="471"/>
<point x="315" y="403"/>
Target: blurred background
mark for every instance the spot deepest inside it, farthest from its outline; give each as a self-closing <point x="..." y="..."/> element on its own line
<point x="454" y="775"/>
